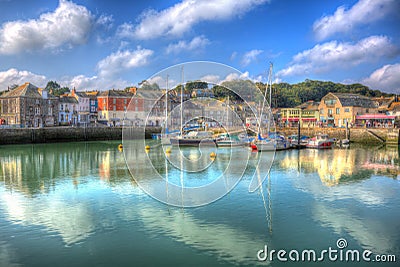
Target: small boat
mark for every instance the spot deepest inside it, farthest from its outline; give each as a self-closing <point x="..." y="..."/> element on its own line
<point x="294" y="141"/>
<point x="321" y="141"/>
<point x="225" y="140"/>
<point x="193" y="138"/>
<point x="275" y="143"/>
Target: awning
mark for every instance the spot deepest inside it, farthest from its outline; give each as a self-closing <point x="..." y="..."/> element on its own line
<point x="308" y="119"/>
<point x="291" y="119"/>
<point x="375" y="117"/>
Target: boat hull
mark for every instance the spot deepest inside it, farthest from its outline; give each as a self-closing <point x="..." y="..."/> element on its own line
<point x="191" y="142"/>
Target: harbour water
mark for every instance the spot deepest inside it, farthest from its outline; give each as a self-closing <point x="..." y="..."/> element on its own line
<point x="76" y="204"/>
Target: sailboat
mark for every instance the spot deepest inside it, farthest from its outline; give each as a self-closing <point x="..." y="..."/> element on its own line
<point x="194" y="137"/>
<point x="166" y="136"/>
<point x="270" y="143"/>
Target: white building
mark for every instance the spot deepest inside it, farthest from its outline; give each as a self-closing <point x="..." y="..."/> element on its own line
<point x="68" y="110"/>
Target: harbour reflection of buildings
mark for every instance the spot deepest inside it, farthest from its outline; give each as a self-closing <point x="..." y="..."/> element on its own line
<point x="343" y="165"/>
<point x="20" y="165"/>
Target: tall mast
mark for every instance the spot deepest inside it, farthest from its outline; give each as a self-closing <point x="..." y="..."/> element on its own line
<point x="270" y="94"/>
<point x="182" y="101"/>
<point x="166" y="106"/>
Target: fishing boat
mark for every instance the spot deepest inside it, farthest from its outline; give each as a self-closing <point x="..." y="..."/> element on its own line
<point x="226" y="140"/>
<point x="321" y="141"/>
<point x="194" y="138"/>
<point x="278" y="142"/>
<point x="294" y="141"/>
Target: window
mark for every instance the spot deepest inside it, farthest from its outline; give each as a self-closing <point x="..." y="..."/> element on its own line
<point x="114" y="108"/>
<point x="37" y="110"/>
<point x="114" y="101"/>
<point x="330" y="102"/>
<point x="104" y="101"/>
<point x="337" y="110"/>
<point x="346" y="110"/>
<point x="125" y="101"/>
<point x="62" y="107"/>
<point x="329" y="111"/>
<point x="62" y="117"/>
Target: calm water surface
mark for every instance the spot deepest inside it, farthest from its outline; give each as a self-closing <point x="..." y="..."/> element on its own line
<point x="76" y="204"/>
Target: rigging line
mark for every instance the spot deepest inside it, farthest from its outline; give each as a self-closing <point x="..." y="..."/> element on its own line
<point x="265" y="97"/>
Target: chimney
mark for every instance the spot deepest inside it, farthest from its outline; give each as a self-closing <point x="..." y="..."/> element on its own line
<point x="133" y="90"/>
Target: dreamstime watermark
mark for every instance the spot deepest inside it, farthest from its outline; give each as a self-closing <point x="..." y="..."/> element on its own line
<point x="338" y="253"/>
<point x="181" y="103"/>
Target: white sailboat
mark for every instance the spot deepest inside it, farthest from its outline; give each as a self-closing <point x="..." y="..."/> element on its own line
<point x="270" y="143"/>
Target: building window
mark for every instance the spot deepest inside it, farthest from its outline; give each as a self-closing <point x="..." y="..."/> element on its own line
<point x="337" y="110"/>
<point x="321" y="111"/>
<point x="329" y="111"/>
<point x="330" y="102"/>
<point x="104" y="101"/>
<point x="37" y="110"/>
<point x="114" y="108"/>
<point x="125" y="101"/>
<point x="114" y="101"/>
<point x="346" y="110"/>
<point x="62" y="117"/>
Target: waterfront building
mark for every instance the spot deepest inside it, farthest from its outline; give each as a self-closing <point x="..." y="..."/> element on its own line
<point x="68" y="110"/>
<point x="144" y="101"/>
<point x="83" y="106"/>
<point x="307" y="114"/>
<point x="337" y="109"/>
<point x="29" y="106"/>
<point x="112" y="105"/>
<point x="93" y="106"/>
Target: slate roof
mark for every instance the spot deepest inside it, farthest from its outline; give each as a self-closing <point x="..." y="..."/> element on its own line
<point x="355" y="100"/>
<point x="115" y="93"/>
<point x="149" y="94"/>
<point x="27" y="90"/>
<point x="68" y="99"/>
<point x="309" y="105"/>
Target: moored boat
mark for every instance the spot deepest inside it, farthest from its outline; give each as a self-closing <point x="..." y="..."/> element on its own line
<point x="321" y="141"/>
<point x="194" y="138"/>
<point x="225" y="140"/>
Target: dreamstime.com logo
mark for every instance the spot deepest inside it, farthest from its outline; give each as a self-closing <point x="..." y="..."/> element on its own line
<point x="207" y="95"/>
<point x="338" y="253"/>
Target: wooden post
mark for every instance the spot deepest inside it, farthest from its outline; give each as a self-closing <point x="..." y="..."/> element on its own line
<point x="298" y="135"/>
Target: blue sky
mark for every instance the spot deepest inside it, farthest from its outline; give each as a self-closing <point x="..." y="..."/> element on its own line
<point x="101" y="45"/>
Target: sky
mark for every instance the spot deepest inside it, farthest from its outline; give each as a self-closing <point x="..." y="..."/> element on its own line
<point x="100" y="45"/>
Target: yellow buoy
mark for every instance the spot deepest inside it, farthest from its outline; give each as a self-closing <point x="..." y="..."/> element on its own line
<point x="147" y="147"/>
<point x="120" y="147"/>
<point x="168" y="150"/>
<point x="213" y="155"/>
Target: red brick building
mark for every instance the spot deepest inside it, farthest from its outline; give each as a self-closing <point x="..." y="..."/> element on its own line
<point x="112" y="105"/>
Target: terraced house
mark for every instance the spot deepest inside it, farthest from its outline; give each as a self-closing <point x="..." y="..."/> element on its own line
<point x="29" y="106"/>
<point x="337" y="109"/>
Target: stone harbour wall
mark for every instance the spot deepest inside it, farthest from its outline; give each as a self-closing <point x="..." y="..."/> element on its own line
<point x="66" y="134"/>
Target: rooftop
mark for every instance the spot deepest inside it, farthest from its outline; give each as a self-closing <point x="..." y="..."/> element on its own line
<point x="355" y="100"/>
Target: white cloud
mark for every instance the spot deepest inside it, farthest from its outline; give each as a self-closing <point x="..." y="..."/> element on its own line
<point x="180" y="18"/>
<point x="211" y="78"/>
<point x="324" y="57"/>
<point x="123" y="60"/>
<point x="250" y="56"/>
<point x="197" y="42"/>
<point x="236" y="76"/>
<point x="363" y="12"/>
<point x="68" y="25"/>
<point x="14" y="76"/>
<point x="82" y="82"/>
<point x="386" y="79"/>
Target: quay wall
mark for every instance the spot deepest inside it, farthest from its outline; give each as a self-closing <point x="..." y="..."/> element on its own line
<point x="357" y="135"/>
<point x="66" y="134"/>
<point x="73" y="134"/>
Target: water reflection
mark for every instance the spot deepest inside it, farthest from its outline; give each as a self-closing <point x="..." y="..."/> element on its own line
<point x="344" y="165"/>
<point x="80" y="192"/>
